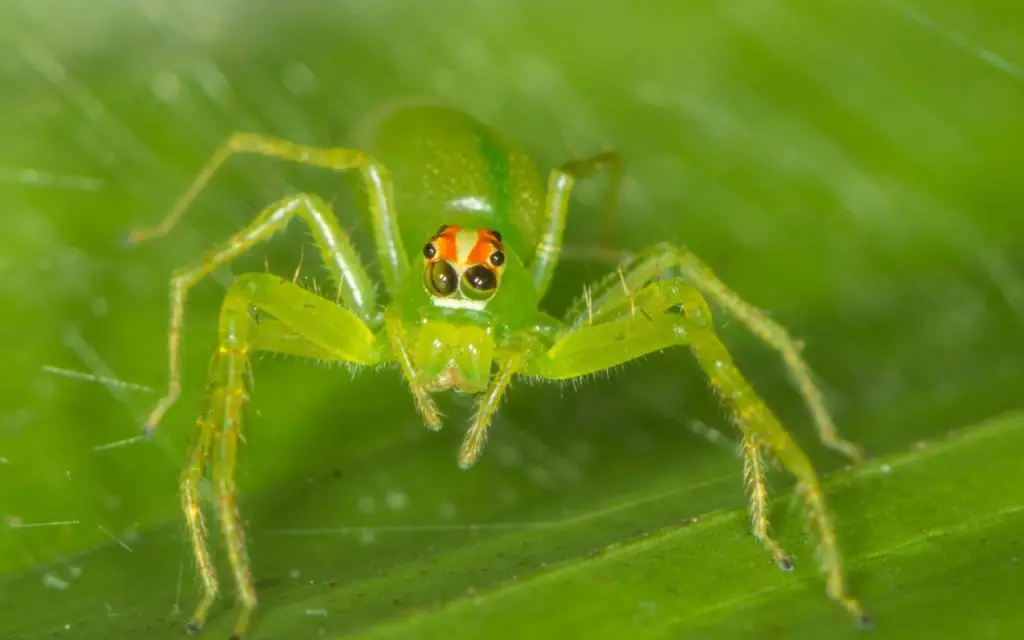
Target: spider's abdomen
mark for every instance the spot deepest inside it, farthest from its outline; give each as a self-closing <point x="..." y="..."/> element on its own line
<point x="450" y="168"/>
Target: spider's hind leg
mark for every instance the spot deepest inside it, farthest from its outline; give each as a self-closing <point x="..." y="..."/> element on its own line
<point x="608" y="298"/>
<point x="356" y="290"/>
<point x="191" y="505"/>
<point x="215" y="446"/>
<point x="701" y="277"/>
<point x="642" y="304"/>
<point x="762" y="431"/>
<point x="296" y="322"/>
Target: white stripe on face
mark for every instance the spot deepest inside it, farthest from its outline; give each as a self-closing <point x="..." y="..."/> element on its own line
<point x="465" y="240"/>
<point x="459" y="303"/>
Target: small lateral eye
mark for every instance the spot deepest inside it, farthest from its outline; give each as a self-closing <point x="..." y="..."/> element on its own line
<point x="497" y="258"/>
<point x="497" y="236"/>
<point x="429" y="250"/>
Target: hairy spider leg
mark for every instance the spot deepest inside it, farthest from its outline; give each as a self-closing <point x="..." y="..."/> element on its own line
<point x="487" y="406"/>
<point x="425" y="404"/>
<point x="556" y="209"/>
<point x="754" y="419"/>
<point x="609" y="333"/>
<point x="664" y="258"/>
<point x="188" y="486"/>
<point x="215" y="445"/>
<point x="754" y="475"/>
<point x="388" y="239"/>
<point x="761" y="429"/>
<point x="300" y="323"/>
<point x="349" y="275"/>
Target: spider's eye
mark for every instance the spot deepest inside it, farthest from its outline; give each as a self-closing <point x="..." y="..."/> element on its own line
<point x="497" y="258"/>
<point x="478" y="282"/>
<point x="497" y="236"/>
<point x="440" y="278"/>
<point x="429" y="250"/>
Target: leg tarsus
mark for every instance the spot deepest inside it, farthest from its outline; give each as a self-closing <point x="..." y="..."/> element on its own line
<point x="476" y="436"/>
<point x="849" y="449"/>
<point x="191" y="505"/>
<point x="754" y="471"/>
<point x="785" y="562"/>
<point x="828" y="549"/>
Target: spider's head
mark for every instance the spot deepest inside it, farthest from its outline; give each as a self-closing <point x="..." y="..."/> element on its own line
<point x="462" y="267"/>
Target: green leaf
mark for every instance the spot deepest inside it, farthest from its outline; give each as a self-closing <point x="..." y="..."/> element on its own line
<point x="911" y="536"/>
<point x="851" y="167"/>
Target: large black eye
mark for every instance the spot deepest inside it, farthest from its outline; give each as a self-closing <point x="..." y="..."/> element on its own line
<point x="429" y="250"/>
<point x="441" y="278"/>
<point x="480" y="277"/>
<point x="497" y="258"/>
<point x="479" y="282"/>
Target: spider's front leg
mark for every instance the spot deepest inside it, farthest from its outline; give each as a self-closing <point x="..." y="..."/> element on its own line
<point x="349" y="276"/>
<point x="620" y="326"/>
<point x="613" y="292"/>
<point x="298" y="323"/>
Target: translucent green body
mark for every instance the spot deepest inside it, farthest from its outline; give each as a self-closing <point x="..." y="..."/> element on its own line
<point x="450" y="168"/>
<point x="424" y="167"/>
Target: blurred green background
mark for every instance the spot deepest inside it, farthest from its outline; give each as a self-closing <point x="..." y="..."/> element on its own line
<point x="852" y="167"/>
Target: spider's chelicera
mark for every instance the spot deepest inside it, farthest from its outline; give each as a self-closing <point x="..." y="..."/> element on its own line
<point x="463" y="312"/>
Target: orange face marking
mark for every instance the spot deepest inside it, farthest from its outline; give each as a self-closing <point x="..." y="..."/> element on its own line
<point x="466" y="247"/>
<point x="463" y="267"/>
<point x="486" y="244"/>
<point x="447" y="244"/>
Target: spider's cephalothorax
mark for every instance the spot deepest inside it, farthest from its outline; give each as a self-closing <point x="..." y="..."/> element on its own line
<point x="463" y="267"/>
<point x="462" y="270"/>
<point x="428" y="162"/>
